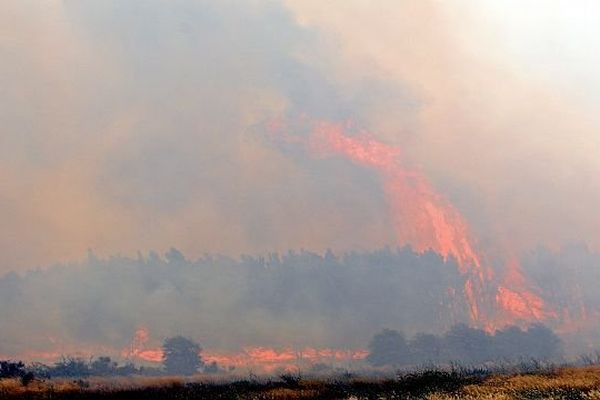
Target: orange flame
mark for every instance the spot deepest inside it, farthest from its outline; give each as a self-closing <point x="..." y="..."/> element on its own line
<point x="513" y="297"/>
<point x="422" y="217"/>
<point x="426" y="220"/>
<point x="266" y="359"/>
<point x="263" y="359"/>
<point x="138" y="348"/>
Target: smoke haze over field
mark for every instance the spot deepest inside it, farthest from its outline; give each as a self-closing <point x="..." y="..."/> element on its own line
<point x="297" y="300"/>
<point x="125" y="307"/>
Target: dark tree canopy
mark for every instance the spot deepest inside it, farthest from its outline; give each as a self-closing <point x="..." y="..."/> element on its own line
<point x="71" y="367"/>
<point x="465" y="344"/>
<point x="542" y="343"/>
<point x="426" y="348"/>
<point x="10" y="369"/>
<point x="181" y="356"/>
<point x="103" y="366"/>
<point x="388" y="348"/>
<point x="468" y="344"/>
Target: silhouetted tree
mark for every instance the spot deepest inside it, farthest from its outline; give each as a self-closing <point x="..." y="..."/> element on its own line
<point x="509" y="343"/>
<point x="388" y="347"/>
<point x="541" y="343"/>
<point x="70" y="367"/>
<point x="467" y="344"/>
<point x="181" y="356"/>
<point x="12" y="369"/>
<point x="103" y="366"/>
<point x="127" y="369"/>
<point x="426" y="348"/>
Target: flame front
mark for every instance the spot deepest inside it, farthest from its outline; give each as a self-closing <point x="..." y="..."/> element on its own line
<point x="264" y="359"/>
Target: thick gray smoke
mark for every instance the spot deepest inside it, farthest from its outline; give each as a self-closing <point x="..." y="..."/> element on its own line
<point x="295" y="299"/>
<point x="138" y="125"/>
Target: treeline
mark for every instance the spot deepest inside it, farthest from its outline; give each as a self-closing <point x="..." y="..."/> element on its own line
<point x="70" y="367"/>
<point x="312" y="297"/>
<point x="318" y="300"/>
<point x="465" y="345"/>
<point x="73" y="367"/>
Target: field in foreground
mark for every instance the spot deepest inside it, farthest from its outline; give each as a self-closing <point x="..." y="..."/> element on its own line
<point x="566" y="383"/>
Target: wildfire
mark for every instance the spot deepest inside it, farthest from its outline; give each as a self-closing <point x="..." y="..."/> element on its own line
<point x="426" y="220"/>
<point x="513" y="297"/>
<point x="267" y="359"/>
<point x="138" y="347"/>
<point x="264" y="359"/>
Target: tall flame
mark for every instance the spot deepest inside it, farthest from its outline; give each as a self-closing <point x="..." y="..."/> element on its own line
<point x="426" y="220"/>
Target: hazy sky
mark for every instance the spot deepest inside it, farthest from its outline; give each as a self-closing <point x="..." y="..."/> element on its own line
<point x="143" y="124"/>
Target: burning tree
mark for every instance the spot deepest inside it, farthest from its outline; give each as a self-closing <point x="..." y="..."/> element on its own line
<point x="181" y="356"/>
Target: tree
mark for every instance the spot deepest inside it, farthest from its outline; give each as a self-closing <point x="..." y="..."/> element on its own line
<point x="103" y="366"/>
<point x="510" y="343"/>
<point x="426" y="348"/>
<point x="467" y="344"/>
<point x="181" y="356"/>
<point x="388" y="348"/>
<point x="10" y="369"/>
<point x="542" y="343"/>
<point x="70" y="367"/>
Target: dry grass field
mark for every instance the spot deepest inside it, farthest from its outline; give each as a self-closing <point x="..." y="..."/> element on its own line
<point x="567" y="383"/>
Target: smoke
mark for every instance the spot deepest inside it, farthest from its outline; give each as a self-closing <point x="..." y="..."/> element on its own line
<point x="296" y="300"/>
<point x="505" y="133"/>
<point x="141" y="125"/>
<point x="125" y="307"/>
<point x="133" y="126"/>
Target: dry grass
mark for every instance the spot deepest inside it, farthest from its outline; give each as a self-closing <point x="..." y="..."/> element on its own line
<point x="564" y="384"/>
<point x="567" y="384"/>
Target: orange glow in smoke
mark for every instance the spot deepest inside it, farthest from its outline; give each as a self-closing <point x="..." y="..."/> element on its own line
<point x="426" y="220"/>
<point x="264" y="359"/>
<point x="138" y="347"/>
<point x="422" y="217"/>
<point x="513" y="297"/>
